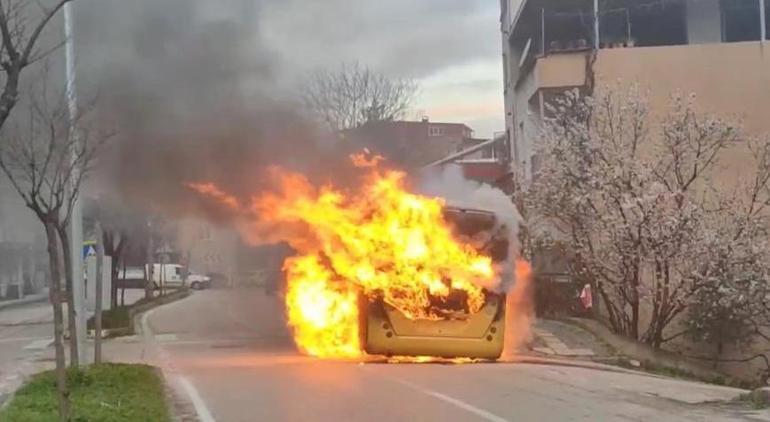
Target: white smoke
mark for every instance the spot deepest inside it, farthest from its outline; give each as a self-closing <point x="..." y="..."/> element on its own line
<point x="448" y="182"/>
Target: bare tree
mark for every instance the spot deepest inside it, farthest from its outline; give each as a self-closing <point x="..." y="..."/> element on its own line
<point x="47" y="166"/>
<point x="117" y="220"/>
<point x="354" y="94"/>
<point x="21" y="25"/>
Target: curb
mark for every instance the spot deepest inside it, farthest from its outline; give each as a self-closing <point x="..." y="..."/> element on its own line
<point x="575" y="363"/>
<point x="533" y="360"/>
<point x="135" y="313"/>
<point x="687" y="369"/>
<point x="21" y="302"/>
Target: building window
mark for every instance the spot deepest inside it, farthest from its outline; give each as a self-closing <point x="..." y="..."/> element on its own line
<point x="741" y="20"/>
<point x="656" y="23"/>
<point x="568" y="26"/>
<point x="436" y="131"/>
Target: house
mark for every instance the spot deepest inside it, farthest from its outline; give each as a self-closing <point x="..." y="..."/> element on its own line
<point x="408" y="144"/>
<point x="715" y="49"/>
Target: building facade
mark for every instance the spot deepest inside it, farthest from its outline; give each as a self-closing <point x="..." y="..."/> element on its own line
<point x="206" y="248"/>
<point x="716" y="49"/>
<point x="409" y="144"/>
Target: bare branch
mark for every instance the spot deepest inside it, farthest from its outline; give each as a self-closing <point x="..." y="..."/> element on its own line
<point x="353" y="95"/>
<point x="32" y="42"/>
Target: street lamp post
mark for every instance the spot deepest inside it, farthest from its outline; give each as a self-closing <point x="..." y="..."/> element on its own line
<point x="76" y="218"/>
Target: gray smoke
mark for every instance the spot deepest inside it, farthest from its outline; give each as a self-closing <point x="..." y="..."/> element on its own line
<point x="194" y="94"/>
<point x="449" y="183"/>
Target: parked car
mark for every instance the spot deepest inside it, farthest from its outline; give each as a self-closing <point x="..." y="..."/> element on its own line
<point x="165" y="275"/>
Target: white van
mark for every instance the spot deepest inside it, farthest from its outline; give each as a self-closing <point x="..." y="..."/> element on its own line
<point x="163" y="275"/>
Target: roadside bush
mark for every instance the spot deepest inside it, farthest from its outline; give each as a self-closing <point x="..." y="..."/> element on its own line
<point x="114" y="318"/>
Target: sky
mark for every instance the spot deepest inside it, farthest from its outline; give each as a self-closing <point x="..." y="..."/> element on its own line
<point x="451" y="47"/>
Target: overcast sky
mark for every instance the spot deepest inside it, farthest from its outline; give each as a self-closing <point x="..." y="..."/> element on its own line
<point x="452" y="47"/>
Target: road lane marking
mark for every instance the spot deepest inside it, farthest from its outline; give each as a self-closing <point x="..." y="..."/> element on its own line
<point x="39" y="344"/>
<point x="204" y="414"/>
<point x="19" y="339"/>
<point x="486" y="415"/>
<point x="200" y="406"/>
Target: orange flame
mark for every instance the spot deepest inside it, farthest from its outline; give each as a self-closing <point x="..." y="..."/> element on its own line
<point x="379" y="241"/>
<point x="364" y="159"/>
<point x="210" y="189"/>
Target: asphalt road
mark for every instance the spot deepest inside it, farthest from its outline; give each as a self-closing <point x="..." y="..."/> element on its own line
<point x="232" y="356"/>
<point x="21" y="329"/>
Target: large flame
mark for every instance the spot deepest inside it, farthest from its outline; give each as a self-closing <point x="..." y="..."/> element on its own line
<point x="378" y="240"/>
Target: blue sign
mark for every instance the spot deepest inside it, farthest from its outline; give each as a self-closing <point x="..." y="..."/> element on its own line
<point x="89" y="249"/>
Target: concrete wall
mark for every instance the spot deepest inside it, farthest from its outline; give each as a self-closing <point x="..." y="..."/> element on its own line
<point x="561" y="70"/>
<point x="526" y="118"/>
<point x="704" y="21"/>
<point x="513" y="7"/>
<point x="730" y="80"/>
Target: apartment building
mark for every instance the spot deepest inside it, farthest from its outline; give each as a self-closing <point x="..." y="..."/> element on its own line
<point x="716" y="49"/>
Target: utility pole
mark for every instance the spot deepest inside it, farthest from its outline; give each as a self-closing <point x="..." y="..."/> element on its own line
<point x="150" y="266"/>
<point x="762" y="22"/>
<point x="596" y="26"/>
<point x="76" y="218"/>
<point x="98" y="298"/>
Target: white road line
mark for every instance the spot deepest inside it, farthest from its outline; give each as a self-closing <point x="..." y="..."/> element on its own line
<point x="200" y="407"/>
<point x="39" y="344"/>
<point x="486" y="415"/>
<point x="19" y="339"/>
<point x="204" y="414"/>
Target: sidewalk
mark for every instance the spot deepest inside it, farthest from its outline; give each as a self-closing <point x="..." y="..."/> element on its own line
<point x="37" y="297"/>
<point x="582" y="340"/>
<point x="558" y="339"/>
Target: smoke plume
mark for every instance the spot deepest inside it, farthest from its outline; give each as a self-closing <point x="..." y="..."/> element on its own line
<point x="195" y="94"/>
<point x="450" y="183"/>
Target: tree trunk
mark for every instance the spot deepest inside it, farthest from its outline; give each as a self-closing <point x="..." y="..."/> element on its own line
<point x="98" y="298"/>
<point x="71" y="316"/>
<point x="115" y="252"/>
<point x="115" y="271"/>
<point x="149" y="269"/>
<point x="62" y="393"/>
<point x="123" y="290"/>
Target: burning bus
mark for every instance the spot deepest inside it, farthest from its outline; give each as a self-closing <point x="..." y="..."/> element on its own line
<point x="456" y="331"/>
<point x="379" y="269"/>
